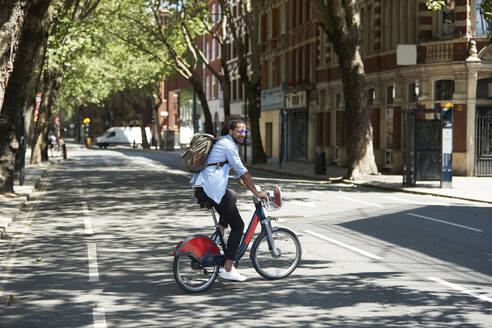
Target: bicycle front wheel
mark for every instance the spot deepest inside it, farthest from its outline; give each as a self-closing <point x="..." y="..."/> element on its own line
<point x="191" y="276"/>
<point x="271" y="266"/>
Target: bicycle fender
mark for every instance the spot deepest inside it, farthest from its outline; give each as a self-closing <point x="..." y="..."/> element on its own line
<point x="197" y="246"/>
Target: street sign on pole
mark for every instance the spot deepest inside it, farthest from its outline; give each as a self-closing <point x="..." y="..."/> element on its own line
<point x="447" y="145"/>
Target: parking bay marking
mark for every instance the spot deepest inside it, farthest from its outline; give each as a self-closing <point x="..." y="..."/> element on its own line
<point x="445" y="222"/>
<point x="339" y="243"/>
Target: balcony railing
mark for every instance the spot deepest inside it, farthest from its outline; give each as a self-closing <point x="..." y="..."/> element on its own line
<point x="438" y="52"/>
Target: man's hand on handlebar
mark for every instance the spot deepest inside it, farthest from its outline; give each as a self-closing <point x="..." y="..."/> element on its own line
<point x="261" y="194"/>
<point x="248" y="182"/>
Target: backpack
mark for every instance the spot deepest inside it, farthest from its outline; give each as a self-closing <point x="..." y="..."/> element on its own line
<point x="195" y="156"/>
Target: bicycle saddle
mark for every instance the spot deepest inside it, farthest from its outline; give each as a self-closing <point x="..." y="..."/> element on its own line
<point x="204" y="203"/>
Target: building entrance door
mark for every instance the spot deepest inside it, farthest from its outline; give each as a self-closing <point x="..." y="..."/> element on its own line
<point x="483" y="139"/>
<point x="298" y="136"/>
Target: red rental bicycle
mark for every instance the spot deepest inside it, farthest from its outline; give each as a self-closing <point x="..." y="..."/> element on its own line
<point x="275" y="254"/>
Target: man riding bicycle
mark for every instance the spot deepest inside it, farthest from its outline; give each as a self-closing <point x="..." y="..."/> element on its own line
<point x="211" y="185"/>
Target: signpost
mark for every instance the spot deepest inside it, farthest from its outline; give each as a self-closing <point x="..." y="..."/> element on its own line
<point x="447" y="145"/>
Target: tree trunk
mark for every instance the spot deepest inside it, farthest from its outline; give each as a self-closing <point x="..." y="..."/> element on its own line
<point x="157" y="127"/>
<point x="12" y="14"/>
<point x="33" y="35"/>
<point x="8" y="148"/>
<point x="258" y="155"/>
<point x="31" y="91"/>
<point x="145" y="143"/>
<point x="197" y="85"/>
<point x="225" y="83"/>
<point x="52" y="82"/>
<point x="340" y="20"/>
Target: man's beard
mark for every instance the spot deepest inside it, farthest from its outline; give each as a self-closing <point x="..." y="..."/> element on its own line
<point x="238" y="142"/>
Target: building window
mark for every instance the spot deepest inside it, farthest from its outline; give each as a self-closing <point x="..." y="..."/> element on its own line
<point x="413" y="92"/>
<point x="390" y="94"/>
<point x="338" y="100"/>
<point x="443" y="90"/>
<point x="371" y="96"/>
<point x="214" y="84"/>
<point x="447" y="20"/>
<point x="282" y="19"/>
<point x="481" y="22"/>
<point x="369" y="41"/>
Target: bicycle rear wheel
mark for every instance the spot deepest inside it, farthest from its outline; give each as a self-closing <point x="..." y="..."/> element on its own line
<point x="191" y="276"/>
<point x="270" y="266"/>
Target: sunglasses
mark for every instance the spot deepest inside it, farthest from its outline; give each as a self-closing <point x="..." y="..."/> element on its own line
<point x="241" y="131"/>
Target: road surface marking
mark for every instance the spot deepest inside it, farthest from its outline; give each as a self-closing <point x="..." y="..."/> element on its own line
<point x="405" y="200"/>
<point x="360" y="201"/>
<point x="99" y="317"/>
<point x="445" y="222"/>
<point x="416" y="202"/>
<point x="87" y="219"/>
<point x="461" y="289"/>
<point x="92" y="255"/>
<point x="88" y="226"/>
<point x="339" y="243"/>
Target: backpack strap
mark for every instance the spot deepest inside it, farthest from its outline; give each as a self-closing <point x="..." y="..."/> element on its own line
<point x="218" y="164"/>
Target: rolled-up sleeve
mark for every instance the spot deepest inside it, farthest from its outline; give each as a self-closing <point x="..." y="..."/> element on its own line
<point x="232" y="156"/>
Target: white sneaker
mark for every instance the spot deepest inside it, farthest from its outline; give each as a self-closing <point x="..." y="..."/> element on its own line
<point x="231" y="275"/>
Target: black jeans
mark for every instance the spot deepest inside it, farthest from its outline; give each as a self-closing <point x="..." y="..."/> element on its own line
<point x="229" y="215"/>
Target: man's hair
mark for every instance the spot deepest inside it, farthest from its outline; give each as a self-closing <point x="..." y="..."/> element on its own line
<point x="231" y="123"/>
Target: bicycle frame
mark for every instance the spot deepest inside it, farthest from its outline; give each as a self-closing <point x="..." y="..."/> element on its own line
<point x="207" y="260"/>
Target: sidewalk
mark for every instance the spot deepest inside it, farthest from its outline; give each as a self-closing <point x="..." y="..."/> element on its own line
<point x="467" y="188"/>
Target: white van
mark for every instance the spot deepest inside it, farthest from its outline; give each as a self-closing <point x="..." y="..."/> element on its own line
<point x="122" y="136"/>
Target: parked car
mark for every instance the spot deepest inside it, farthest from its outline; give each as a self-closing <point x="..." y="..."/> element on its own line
<point x="131" y="136"/>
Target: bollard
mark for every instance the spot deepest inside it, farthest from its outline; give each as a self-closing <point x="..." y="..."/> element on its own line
<point x="64" y="150"/>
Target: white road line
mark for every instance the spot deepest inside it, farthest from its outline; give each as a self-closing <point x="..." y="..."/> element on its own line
<point x="88" y="226"/>
<point x="339" y="243"/>
<point x="92" y="255"/>
<point x="99" y="317"/>
<point x="360" y="201"/>
<point x="445" y="222"/>
<point x="416" y="202"/>
<point x="87" y="219"/>
<point x="460" y="289"/>
<point x="405" y="200"/>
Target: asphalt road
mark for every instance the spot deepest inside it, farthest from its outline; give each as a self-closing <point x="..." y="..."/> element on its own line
<point x="93" y="249"/>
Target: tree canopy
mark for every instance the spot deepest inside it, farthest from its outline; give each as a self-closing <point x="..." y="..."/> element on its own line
<point x="98" y="64"/>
